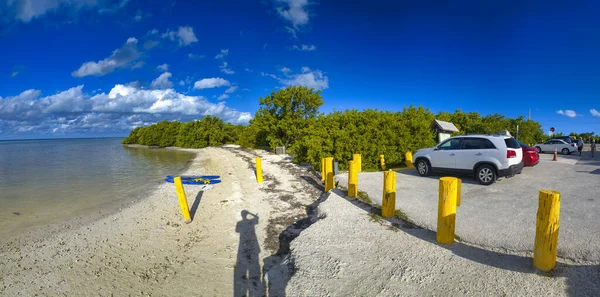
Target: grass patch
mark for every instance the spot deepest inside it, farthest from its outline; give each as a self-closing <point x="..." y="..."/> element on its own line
<point x="364" y="197"/>
<point x="375" y="218"/>
<point x="403" y="216"/>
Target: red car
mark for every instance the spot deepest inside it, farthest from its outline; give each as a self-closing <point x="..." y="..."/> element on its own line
<point x="530" y="155"/>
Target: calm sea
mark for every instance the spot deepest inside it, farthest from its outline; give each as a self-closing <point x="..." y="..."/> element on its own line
<point x="44" y="181"/>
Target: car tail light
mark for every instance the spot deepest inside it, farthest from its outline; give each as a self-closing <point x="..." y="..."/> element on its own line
<point x="511" y="154"/>
<point x="572" y="144"/>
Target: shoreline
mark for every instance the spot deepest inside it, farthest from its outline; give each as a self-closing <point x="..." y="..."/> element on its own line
<point x="88" y="215"/>
<point x="145" y="248"/>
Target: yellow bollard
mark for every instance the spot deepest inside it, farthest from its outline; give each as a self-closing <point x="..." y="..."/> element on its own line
<point x="259" y="177"/>
<point x="356" y="158"/>
<point x="352" y="180"/>
<point x="382" y="161"/>
<point x="185" y="211"/>
<point x="459" y="191"/>
<point x="446" y="210"/>
<point x="329" y="178"/>
<point x="388" y="203"/>
<point x="409" y="162"/>
<point x="323" y="169"/>
<point x="546" y="230"/>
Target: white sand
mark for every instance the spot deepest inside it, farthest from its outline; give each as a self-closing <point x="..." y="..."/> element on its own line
<point x="146" y="249"/>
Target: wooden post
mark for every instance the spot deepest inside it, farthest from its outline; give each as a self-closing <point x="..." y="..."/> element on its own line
<point x="185" y="211"/>
<point x="329" y="178"/>
<point x="352" y="179"/>
<point x="323" y="169"/>
<point x="356" y="158"/>
<point x="382" y="161"/>
<point x="546" y="231"/>
<point x="259" y="177"/>
<point x="447" y="210"/>
<point x="408" y="157"/>
<point x="388" y="203"/>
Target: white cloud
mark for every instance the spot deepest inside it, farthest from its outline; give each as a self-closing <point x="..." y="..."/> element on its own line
<point x="195" y="57"/>
<point x="294" y="11"/>
<point x="285" y="70"/>
<point x="139" y="15"/>
<point x="122" y="109"/>
<point x="594" y="112"/>
<point x="182" y="83"/>
<point x="209" y="83"/>
<point x="567" y="112"/>
<point x="305" y="47"/>
<point x="163" y="67"/>
<point x="120" y="58"/>
<point x="223" y="97"/>
<point x="162" y="81"/>
<point x="226" y="70"/>
<point x="248" y="70"/>
<point x="26" y="10"/>
<point x="153" y="32"/>
<point x="309" y="78"/>
<point x="185" y="35"/>
<point x="231" y="89"/>
<point x="222" y="54"/>
<point x="14" y="73"/>
<point x="149" y="44"/>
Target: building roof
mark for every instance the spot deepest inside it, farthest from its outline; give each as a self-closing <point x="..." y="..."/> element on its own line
<point x="446" y="126"/>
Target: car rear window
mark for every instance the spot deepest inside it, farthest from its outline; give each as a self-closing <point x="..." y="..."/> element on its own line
<point x="511" y="143"/>
<point x="524" y="145"/>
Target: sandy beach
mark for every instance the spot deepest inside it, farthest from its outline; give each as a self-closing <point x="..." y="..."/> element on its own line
<point x="145" y="248"/>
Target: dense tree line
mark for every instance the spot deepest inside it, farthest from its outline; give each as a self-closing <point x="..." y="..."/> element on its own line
<point x="209" y="131"/>
<point x="290" y="117"/>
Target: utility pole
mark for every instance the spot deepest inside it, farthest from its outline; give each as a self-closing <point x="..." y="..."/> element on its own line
<point x="529" y="115"/>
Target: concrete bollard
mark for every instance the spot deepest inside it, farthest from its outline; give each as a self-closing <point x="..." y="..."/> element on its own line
<point x="356" y="158"/>
<point x="448" y="192"/>
<point x="546" y="230"/>
<point x="382" y="161"/>
<point x="352" y="179"/>
<point x="388" y="203"/>
<point x="329" y="177"/>
<point x="259" y="177"/>
<point x="185" y="211"/>
<point x="408" y="157"/>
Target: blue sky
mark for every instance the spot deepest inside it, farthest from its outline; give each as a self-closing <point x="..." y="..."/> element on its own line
<point x="101" y="67"/>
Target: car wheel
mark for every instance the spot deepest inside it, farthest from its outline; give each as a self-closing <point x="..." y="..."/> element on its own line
<point x="423" y="167"/>
<point x="485" y="174"/>
<point x="539" y="149"/>
<point x="565" y="151"/>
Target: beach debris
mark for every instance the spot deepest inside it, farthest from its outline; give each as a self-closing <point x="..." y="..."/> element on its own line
<point x="17" y="213"/>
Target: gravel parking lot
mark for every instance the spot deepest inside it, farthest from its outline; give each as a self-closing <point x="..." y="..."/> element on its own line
<point x="503" y="214"/>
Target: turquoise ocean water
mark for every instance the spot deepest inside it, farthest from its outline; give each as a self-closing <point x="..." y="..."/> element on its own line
<point x="45" y="181"/>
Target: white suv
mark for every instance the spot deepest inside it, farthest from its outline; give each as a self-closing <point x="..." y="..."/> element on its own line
<point x="486" y="156"/>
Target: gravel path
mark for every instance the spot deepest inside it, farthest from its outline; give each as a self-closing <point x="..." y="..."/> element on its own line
<point x="351" y="253"/>
<point x="503" y="215"/>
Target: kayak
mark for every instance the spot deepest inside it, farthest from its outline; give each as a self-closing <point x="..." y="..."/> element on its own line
<point x="196" y="182"/>
<point x="183" y="177"/>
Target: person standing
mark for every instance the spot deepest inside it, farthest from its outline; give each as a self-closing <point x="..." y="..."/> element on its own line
<point x="579" y="146"/>
<point x="593" y="147"/>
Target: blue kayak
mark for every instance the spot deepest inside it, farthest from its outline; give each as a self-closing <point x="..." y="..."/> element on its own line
<point x="196" y="182"/>
<point x="183" y="177"/>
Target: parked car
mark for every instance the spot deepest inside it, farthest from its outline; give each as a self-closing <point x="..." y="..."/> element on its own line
<point x="567" y="139"/>
<point x="560" y="145"/>
<point x="486" y="156"/>
<point x="530" y="155"/>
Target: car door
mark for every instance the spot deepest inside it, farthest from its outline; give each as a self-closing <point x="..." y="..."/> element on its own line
<point x="471" y="152"/>
<point x="444" y="155"/>
<point x="547" y="146"/>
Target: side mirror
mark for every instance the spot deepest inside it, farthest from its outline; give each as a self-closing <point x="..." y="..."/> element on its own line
<point x="436" y="148"/>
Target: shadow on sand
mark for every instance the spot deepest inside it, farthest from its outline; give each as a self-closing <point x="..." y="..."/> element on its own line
<point x="247" y="277"/>
<point x="581" y="280"/>
<point x="196" y="204"/>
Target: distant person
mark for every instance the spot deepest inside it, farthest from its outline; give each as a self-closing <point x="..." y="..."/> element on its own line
<point x="593" y="147"/>
<point x="579" y="146"/>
